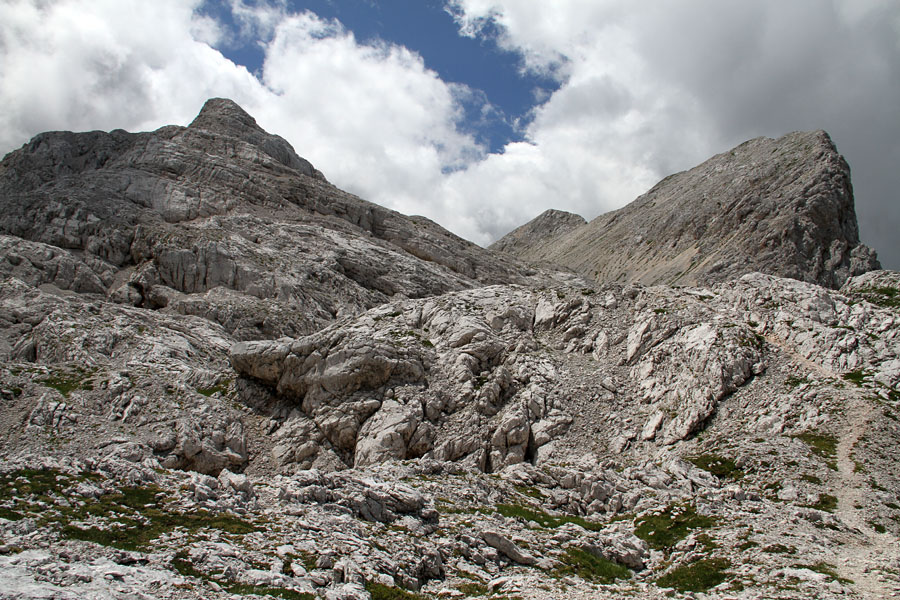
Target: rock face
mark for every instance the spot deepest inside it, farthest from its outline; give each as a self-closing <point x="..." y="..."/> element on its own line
<point x="782" y="206"/>
<point x="220" y="376"/>
<point x="543" y="230"/>
<point x="221" y="220"/>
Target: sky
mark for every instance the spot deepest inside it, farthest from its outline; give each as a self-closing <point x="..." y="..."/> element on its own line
<point x="479" y="114"/>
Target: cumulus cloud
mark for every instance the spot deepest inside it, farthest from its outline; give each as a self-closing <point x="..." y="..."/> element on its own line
<point x="644" y="89"/>
<point x="370" y="115"/>
<point x="656" y="87"/>
<point x="104" y="64"/>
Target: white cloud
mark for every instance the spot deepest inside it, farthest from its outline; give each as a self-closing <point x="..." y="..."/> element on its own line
<point x="371" y="116"/>
<point x="648" y="88"/>
<point x="103" y="64"/>
<point x="644" y="89"/>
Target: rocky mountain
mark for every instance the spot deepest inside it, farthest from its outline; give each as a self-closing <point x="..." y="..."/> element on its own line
<point x="540" y="231"/>
<point x="221" y="220"/>
<point x="782" y="206"/>
<point x="221" y="377"/>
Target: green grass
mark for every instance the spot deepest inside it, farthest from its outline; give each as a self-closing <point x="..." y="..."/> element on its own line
<point x="543" y="519"/>
<point x="220" y="388"/>
<point x="811" y="479"/>
<point x="780" y="549"/>
<point x="590" y="567"/>
<point x="825" y="569"/>
<point x="474" y="589"/>
<point x="182" y="563"/>
<point x="698" y="576"/>
<point x="10" y="515"/>
<point x="721" y="467"/>
<point x="664" y="530"/>
<point x="130" y="519"/>
<point x="857" y="377"/>
<point x="68" y="381"/>
<point x="379" y="591"/>
<point x="261" y="590"/>
<point x="530" y="491"/>
<point x="826" y="502"/>
<point x="822" y="445"/>
<point x="883" y="296"/>
<point x="795" y="381"/>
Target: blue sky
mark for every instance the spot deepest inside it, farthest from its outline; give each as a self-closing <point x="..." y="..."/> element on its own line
<point x="428" y="28"/>
<point x="479" y="114"/>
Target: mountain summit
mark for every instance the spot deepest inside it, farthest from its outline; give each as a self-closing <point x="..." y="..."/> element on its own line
<point x="780" y="206"/>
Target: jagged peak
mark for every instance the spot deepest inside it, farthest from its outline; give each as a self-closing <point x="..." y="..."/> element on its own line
<point x="224" y="114"/>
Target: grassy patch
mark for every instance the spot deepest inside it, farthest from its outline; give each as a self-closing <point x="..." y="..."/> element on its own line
<point x="590" y="567"/>
<point x="884" y="296"/>
<point x="857" y="377"/>
<point x="721" y="467"/>
<point x="795" y="381"/>
<point x="780" y="549"/>
<point x="182" y="563"/>
<point x="379" y="591"/>
<point x="821" y="444"/>
<point x="67" y="381"/>
<point x="543" y="519"/>
<point x="261" y="590"/>
<point x="129" y="519"/>
<point x="474" y="589"/>
<point x="664" y="530"/>
<point x="826" y="502"/>
<point x="220" y="388"/>
<point x="825" y="569"/>
<point x="811" y="479"/>
<point x="698" y="576"/>
<point x="530" y="491"/>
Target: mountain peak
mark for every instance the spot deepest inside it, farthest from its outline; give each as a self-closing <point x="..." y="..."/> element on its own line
<point x="780" y="206"/>
<point x="223" y="114"/>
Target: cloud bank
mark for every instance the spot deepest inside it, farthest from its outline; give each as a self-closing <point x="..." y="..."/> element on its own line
<point x="645" y="89"/>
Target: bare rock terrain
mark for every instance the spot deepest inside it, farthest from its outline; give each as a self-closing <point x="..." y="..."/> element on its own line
<point x="221" y="377"/>
<point x="780" y="206"/>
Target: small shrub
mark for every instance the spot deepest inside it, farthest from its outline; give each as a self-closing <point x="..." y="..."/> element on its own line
<point x="826" y="502"/>
<point x="543" y="519"/>
<point x="723" y="468"/>
<point x="590" y="567"/>
<point x="664" y="530"/>
<point x="379" y="591"/>
<point x="857" y="377"/>
<point x="698" y="576"/>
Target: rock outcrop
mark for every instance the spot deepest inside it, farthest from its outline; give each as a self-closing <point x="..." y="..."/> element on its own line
<point x="779" y="206"/>
<point x="182" y="217"/>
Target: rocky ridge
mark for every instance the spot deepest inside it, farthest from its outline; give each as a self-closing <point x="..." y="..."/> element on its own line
<point x="781" y="206"/>
<point x="504" y="432"/>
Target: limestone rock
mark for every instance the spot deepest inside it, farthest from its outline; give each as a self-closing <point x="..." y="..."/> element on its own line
<point x="780" y="206"/>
